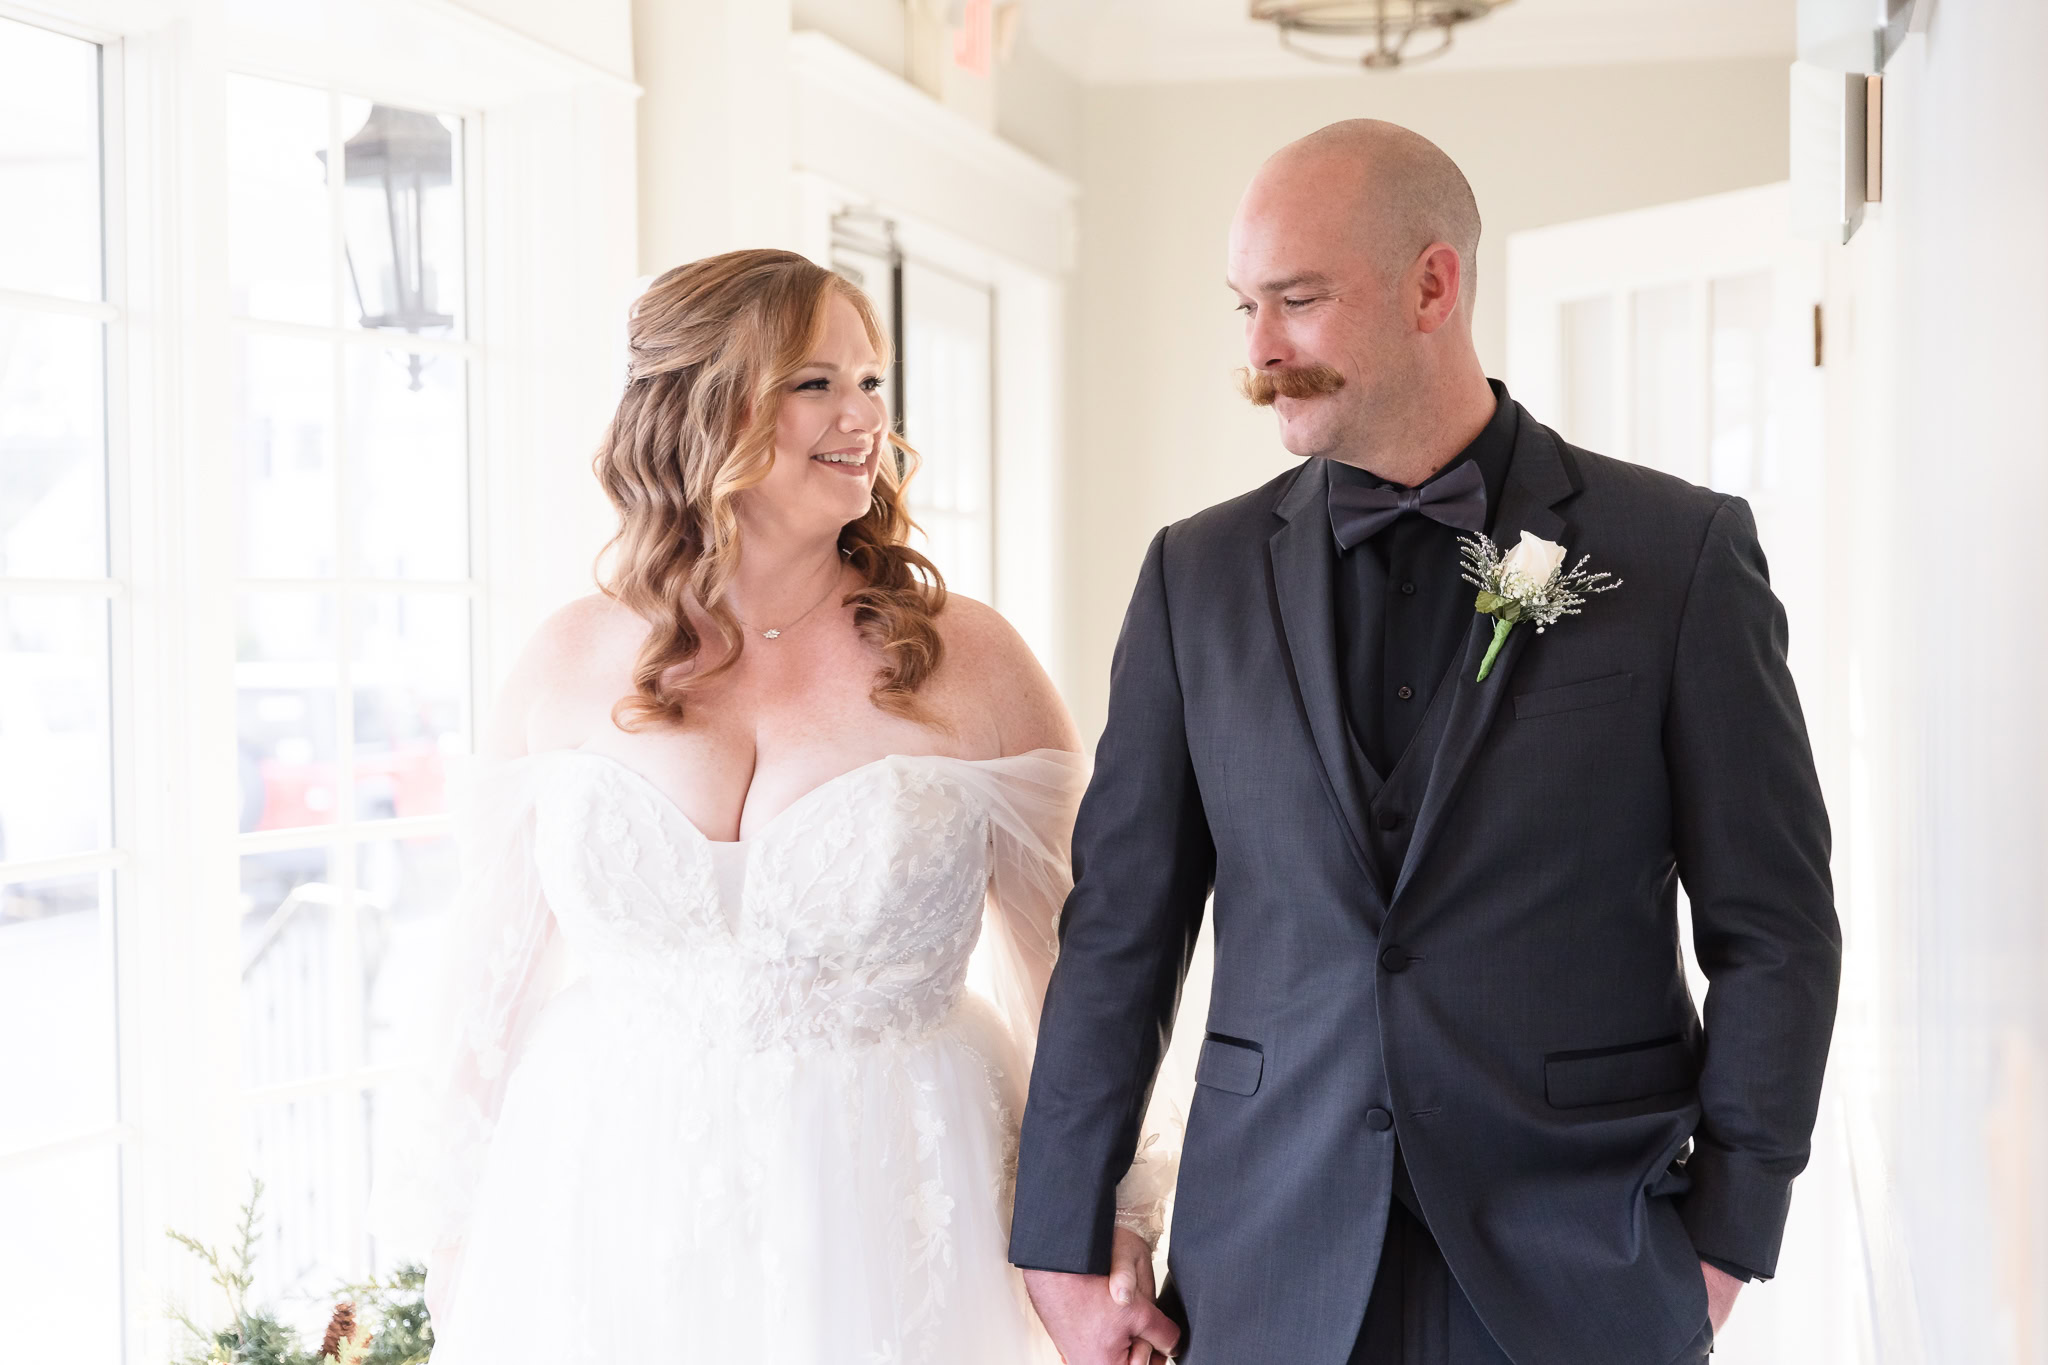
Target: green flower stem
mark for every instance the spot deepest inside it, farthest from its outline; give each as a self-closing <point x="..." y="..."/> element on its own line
<point x="1500" y="637"/>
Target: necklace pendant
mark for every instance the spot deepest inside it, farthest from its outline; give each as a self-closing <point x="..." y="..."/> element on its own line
<point x="770" y="634"/>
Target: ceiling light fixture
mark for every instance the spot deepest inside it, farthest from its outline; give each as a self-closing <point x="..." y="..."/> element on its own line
<point x="1391" y="24"/>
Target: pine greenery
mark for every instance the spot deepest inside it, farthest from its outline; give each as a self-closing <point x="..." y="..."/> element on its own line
<point x="393" y="1310"/>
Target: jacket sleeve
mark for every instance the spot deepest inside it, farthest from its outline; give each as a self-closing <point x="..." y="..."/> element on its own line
<point x="1751" y="839"/>
<point x="1143" y="867"/>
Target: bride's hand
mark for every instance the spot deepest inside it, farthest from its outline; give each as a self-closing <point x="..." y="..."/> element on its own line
<point x="1088" y="1322"/>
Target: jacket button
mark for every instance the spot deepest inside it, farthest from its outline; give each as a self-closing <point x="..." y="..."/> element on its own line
<point x="1379" y="1120"/>
<point x="1395" y="958"/>
<point x="1390" y="819"/>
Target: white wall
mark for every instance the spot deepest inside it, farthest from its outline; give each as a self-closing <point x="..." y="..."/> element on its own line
<point x="714" y="132"/>
<point x="1941" y="460"/>
<point x="599" y="32"/>
<point x="1158" y="431"/>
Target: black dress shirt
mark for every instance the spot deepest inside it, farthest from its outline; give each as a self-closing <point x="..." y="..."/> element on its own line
<point x="1403" y="607"/>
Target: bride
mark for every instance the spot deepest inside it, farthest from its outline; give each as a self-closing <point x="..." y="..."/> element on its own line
<point x="715" y="1088"/>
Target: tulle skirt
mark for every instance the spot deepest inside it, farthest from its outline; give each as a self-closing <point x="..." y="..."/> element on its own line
<point x="646" y="1201"/>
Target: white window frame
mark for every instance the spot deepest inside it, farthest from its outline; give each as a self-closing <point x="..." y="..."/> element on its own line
<point x="118" y="910"/>
<point x="549" y="153"/>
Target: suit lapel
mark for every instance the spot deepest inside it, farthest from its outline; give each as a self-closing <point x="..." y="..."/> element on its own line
<point x="1300" y="555"/>
<point x="1537" y="479"/>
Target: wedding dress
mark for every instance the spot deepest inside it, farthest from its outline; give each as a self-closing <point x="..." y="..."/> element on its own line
<point x="767" y="1120"/>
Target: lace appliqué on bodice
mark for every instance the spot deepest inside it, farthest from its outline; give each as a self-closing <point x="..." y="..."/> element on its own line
<point x="855" y="917"/>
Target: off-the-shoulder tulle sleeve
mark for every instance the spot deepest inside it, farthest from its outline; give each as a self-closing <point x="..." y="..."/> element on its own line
<point x="1031" y="800"/>
<point x="500" y="962"/>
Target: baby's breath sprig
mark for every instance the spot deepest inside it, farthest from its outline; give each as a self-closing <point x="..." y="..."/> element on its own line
<point x="1528" y="583"/>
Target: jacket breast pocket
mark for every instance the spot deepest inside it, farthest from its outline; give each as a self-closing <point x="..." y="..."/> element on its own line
<point x="1613" y="1075"/>
<point x="1232" y="1064"/>
<point x="1575" y="696"/>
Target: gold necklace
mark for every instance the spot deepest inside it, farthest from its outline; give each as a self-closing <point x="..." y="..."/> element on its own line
<point x="776" y="633"/>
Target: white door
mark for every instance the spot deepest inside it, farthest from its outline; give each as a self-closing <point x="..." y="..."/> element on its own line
<point x="1687" y="337"/>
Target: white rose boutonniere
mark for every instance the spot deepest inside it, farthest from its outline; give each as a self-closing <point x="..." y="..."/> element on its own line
<point x="1528" y="583"/>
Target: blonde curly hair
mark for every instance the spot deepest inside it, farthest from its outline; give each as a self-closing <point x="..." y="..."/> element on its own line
<point x="713" y="343"/>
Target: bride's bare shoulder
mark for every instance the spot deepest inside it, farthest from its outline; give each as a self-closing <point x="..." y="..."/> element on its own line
<point x="990" y="677"/>
<point x="573" y="661"/>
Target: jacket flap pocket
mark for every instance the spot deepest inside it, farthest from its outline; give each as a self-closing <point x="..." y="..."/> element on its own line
<point x="1229" y="1064"/>
<point x="1575" y="696"/>
<point x="1611" y="1075"/>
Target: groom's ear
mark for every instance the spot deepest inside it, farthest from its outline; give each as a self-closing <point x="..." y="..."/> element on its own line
<point x="1438" y="277"/>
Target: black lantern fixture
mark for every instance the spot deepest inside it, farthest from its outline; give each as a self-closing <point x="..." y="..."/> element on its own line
<point x="398" y="155"/>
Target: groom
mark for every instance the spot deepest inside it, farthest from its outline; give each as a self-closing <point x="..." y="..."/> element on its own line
<point x="1454" y="1105"/>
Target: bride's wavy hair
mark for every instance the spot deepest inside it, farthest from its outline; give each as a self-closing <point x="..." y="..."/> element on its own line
<point x="713" y="344"/>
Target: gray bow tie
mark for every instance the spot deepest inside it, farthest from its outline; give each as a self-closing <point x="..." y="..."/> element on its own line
<point x="1457" y="499"/>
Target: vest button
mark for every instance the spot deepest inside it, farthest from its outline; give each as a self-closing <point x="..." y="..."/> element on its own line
<point x="1379" y="1120"/>
<point x="1405" y="693"/>
<point x="1395" y="958"/>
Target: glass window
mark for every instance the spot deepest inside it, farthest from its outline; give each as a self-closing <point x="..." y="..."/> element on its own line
<point x="60" y="1139"/>
<point x="354" y="613"/>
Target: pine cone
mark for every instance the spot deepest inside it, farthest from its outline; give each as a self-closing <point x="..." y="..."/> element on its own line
<point x="341" y="1328"/>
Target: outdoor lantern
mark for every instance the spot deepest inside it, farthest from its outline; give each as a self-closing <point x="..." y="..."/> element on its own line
<point x="394" y="159"/>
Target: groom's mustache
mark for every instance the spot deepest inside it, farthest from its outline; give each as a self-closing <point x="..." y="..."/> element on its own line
<point x="1307" y="381"/>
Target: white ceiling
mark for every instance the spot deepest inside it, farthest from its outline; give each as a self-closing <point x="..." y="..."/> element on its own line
<point x="1113" y="42"/>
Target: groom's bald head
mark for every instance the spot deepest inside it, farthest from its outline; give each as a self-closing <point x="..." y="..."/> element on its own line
<point x="1393" y="188"/>
<point x="1352" y="259"/>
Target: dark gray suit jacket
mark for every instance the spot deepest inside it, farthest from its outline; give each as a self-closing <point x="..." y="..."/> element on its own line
<point x="1515" y="1002"/>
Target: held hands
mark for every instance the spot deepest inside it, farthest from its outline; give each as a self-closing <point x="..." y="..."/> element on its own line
<point x="1721" y="1291"/>
<point x="1105" y="1319"/>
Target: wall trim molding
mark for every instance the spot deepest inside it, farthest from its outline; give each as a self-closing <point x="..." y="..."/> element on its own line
<point x="909" y="155"/>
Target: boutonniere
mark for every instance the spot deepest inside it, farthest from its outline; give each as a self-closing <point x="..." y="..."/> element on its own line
<point x="1528" y="583"/>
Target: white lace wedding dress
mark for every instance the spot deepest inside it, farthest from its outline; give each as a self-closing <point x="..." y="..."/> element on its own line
<point x="767" y="1120"/>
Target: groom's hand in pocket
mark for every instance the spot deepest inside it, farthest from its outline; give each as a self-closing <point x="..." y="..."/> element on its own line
<point x="1105" y="1319"/>
<point x="1721" y="1291"/>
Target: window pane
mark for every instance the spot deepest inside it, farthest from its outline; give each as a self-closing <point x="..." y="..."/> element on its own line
<point x="309" y="1155"/>
<point x="56" y="1009"/>
<point x="53" y="450"/>
<point x="280" y="236"/>
<point x="411" y="679"/>
<point x="402" y="217"/>
<point x="284" y="440"/>
<point x="49" y="162"/>
<point x="294" y="946"/>
<point x="408" y="464"/>
<point x="405" y="884"/>
<point x="394" y="1125"/>
<point x="285" y="684"/>
<point x="55" y="776"/>
<point x="60" y="1259"/>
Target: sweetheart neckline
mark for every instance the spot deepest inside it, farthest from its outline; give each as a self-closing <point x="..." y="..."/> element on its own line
<point x="669" y="802"/>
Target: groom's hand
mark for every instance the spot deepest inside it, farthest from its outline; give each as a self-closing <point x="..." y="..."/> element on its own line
<point x="1105" y="1319"/>
<point x="1721" y="1291"/>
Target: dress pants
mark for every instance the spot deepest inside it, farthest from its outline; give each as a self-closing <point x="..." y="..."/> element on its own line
<point x="1417" y="1315"/>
